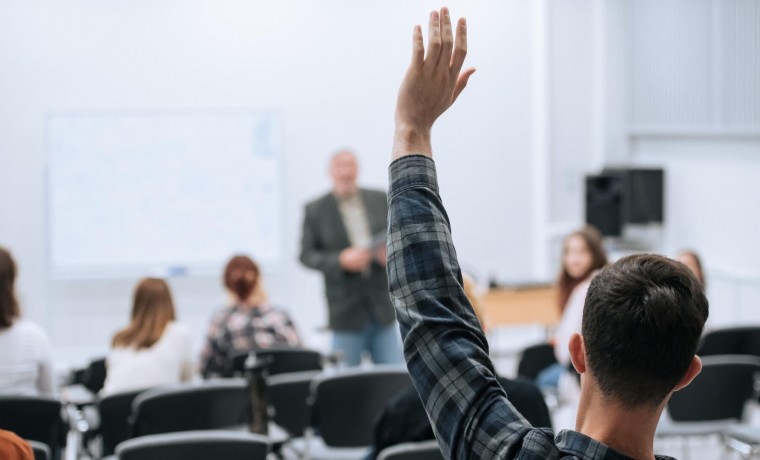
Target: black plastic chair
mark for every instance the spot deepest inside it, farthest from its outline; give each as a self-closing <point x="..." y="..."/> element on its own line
<point x="426" y="450"/>
<point x="196" y="445"/>
<point x="114" y="411"/>
<point x="714" y="401"/>
<point x="346" y="405"/>
<point x="280" y="361"/>
<point x="719" y="392"/>
<point x="288" y="395"/>
<point x="37" y="418"/>
<point x="210" y="405"/>
<point x="534" y="359"/>
<point x="94" y="376"/>
<point x="731" y="341"/>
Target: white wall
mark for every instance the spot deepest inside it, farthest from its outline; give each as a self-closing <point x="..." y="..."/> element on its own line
<point x="330" y="69"/>
<point x="711" y="206"/>
<point x="711" y="179"/>
<point x="712" y="168"/>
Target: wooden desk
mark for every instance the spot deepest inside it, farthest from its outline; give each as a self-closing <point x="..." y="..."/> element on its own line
<point x="508" y="307"/>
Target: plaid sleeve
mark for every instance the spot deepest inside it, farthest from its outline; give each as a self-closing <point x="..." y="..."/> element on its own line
<point x="445" y="348"/>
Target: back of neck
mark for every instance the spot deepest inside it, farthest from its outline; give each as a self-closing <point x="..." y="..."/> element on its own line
<point x="628" y="431"/>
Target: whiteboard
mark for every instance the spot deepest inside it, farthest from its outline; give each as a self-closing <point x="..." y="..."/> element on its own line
<point x="161" y="192"/>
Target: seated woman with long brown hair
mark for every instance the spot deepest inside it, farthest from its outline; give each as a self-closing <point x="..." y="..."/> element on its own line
<point x="249" y="323"/>
<point x="154" y="349"/>
<point x="583" y="255"/>
<point x="25" y="362"/>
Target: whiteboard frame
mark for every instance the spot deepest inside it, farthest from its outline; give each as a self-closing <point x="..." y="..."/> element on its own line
<point x="106" y="272"/>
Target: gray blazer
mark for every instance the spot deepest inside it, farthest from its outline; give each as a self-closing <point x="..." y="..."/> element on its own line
<point x="352" y="298"/>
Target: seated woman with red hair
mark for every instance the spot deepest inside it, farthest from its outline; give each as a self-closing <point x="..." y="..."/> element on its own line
<point x="249" y="323"/>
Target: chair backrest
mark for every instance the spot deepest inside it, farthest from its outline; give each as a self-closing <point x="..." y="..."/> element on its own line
<point x="534" y="359"/>
<point x="41" y="450"/>
<point x="37" y="418"/>
<point x="719" y="392"/>
<point x="288" y="395"/>
<point x="346" y="405"/>
<point x="731" y="341"/>
<point x="94" y="376"/>
<point x="114" y="411"/>
<point x="426" y="450"/>
<point x="196" y="445"/>
<point x="209" y="405"/>
<point x="280" y="360"/>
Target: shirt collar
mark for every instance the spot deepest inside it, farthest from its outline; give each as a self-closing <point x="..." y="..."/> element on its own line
<point x="584" y="447"/>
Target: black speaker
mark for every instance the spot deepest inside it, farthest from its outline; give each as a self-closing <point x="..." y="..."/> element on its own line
<point x="644" y="196"/>
<point x="624" y="196"/>
<point x="604" y="202"/>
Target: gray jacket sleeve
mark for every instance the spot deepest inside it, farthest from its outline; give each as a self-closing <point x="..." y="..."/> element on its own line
<point x="313" y="253"/>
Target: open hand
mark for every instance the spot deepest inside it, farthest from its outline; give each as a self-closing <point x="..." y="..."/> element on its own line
<point x="432" y="83"/>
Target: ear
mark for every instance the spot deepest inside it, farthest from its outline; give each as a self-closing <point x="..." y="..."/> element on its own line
<point x="694" y="369"/>
<point x="577" y="353"/>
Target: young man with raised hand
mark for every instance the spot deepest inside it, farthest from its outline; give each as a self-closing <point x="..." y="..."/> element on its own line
<point x="642" y="319"/>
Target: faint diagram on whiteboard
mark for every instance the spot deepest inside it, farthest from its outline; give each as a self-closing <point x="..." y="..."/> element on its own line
<point x="131" y="193"/>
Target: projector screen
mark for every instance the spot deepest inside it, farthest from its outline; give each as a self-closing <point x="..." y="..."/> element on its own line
<point x="162" y="193"/>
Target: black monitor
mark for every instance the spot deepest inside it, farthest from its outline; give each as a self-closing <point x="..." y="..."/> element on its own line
<point x="644" y="203"/>
<point x="617" y="197"/>
<point x="604" y="203"/>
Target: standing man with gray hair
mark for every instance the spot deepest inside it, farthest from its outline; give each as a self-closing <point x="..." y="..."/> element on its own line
<point x="344" y="238"/>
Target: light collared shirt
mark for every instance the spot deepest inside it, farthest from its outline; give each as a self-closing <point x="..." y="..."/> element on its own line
<point x="355" y="220"/>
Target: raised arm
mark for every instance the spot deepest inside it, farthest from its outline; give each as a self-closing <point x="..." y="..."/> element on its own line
<point x="445" y="348"/>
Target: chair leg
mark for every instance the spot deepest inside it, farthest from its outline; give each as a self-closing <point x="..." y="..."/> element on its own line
<point x="684" y="447"/>
<point x="308" y="436"/>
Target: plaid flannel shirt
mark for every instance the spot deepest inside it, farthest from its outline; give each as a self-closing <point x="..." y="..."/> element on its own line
<point x="446" y="350"/>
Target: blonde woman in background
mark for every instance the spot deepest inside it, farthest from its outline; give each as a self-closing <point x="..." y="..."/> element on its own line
<point x="471" y="291"/>
<point x="693" y="261"/>
<point x="154" y="349"/>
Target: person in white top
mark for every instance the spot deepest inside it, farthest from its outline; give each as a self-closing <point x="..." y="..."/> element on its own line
<point x="154" y="349"/>
<point x="25" y="362"/>
<point x="583" y="255"/>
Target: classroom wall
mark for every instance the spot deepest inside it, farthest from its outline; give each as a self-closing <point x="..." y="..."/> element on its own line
<point x="711" y="179"/>
<point x="711" y="172"/>
<point x="711" y="206"/>
<point x="329" y="69"/>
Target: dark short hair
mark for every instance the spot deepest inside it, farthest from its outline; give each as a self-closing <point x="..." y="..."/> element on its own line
<point x="642" y="322"/>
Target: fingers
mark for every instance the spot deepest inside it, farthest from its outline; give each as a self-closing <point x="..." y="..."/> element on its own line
<point x="462" y="82"/>
<point x="447" y="39"/>
<point x="460" y="48"/>
<point x="418" y="48"/>
<point x="434" y="40"/>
